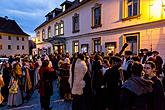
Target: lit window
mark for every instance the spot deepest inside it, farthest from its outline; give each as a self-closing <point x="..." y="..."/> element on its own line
<point x="80" y="0"/>
<point x="61" y="28"/>
<point x="63" y="8"/>
<point x="56" y="30"/>
<point x="75" y="46"/>
<point x="49" y="32"/>
<point x="43" y="34"/>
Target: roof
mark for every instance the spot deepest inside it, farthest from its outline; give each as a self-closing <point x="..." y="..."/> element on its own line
<point x="66" y="2"/>
<point x="74" y="6"/>
<point x="10" y="27"/>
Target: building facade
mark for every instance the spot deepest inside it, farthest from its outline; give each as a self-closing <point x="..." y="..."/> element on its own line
<point x="105" y="25"/>
<point x="12" y="39"/>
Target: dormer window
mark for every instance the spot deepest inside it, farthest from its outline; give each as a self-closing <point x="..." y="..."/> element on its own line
<point x="63" y="8"/>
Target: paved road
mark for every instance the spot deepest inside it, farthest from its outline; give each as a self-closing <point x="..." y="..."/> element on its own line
<point x="33" y="104"/>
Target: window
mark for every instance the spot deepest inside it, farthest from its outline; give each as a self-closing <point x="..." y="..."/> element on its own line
<point x="97" y="44"/>
<point x="0" y="46"/>
<point x="80" y="0"/>
<point x="75" y="46"/>
<point x="38" y="36"/>
<point x="17" y="47"/>
<point x="131" y="8"/>
<point x="9" y="47"/>
<point x="22" y="47"/>
<point x="0" y="37"/>
<point x="17" y="38"/>
<point x="133" y="42"/>
<point x="43" y="34"/>
<point x="84" y="47"/>
<point x="49" y="32"/>
<point x="23" y="39"/>
<point x="75" y="20"/>
<point x="9" y="37"/>
<point x="110" y="47"/>
<point x="56" y="29"/>
<point x="61" y="28"/>
<point x="96" y="16"/>
<point x="63" y="8"/>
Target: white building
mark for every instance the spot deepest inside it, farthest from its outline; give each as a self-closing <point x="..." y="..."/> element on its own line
<point x="12" y="39"/>
<point x="105" y="25"/>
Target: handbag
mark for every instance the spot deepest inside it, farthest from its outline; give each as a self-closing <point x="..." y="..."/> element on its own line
<point x="14" y="87"/>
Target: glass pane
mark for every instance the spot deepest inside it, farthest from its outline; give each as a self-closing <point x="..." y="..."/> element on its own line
<point x="135" y="9"/>
<point x="129" y="10"/>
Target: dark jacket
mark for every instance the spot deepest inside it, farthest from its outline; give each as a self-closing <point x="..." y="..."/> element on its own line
<point x="156" y="98"/>
<point x="134" y="94"/>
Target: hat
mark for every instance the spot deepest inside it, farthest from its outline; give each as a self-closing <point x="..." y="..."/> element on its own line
<point x="155" y="52"/>
<point x="128" y="53"/>
<point x="145" y="49"/>
<point x="67" y="60"/>
<point x="115" y="59"/>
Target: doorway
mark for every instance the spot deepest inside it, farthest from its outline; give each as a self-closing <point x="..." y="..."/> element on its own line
<point x="59" y="49"/>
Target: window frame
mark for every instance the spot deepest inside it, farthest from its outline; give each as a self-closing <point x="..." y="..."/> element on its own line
<point x="96" y="44"/>
<point x="75" y="45"/>
<point x="23" y="39"/>
<point x="9" y="46"/>
<point x="125" y="12"/>
<point x="94" y="25"/>
<point x="43" y="34"/>
<point x="49" y="32"/>
<point x="61" y="28"/>
<point x="128" y="36"/>
<point x="9" y="37"/>
<point x="74" y="29"/>
<point x="23" y="47"/>
<point x="18" y="47"/>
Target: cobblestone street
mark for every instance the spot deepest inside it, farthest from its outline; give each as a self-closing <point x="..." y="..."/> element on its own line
<point x="33" y="104"/>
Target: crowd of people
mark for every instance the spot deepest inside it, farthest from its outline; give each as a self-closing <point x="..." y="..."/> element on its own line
<point x="91" y="82"/>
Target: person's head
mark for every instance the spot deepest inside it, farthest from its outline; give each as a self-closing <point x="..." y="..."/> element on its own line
<point x="155" y="53"/>
<point x="127" y="54"/>
<point x="149" y="68"/>
<point x="137" y="69"/>
<point x="106" y="63"/>
<point x="80" y="56"/>
<point x="144" y="51"/>
<point x="45" y="63"/>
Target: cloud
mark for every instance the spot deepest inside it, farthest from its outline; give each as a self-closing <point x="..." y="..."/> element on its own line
<point x="28" y="13"/>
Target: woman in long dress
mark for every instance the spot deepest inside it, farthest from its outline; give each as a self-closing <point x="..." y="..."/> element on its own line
<point x="15" y="97"/>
